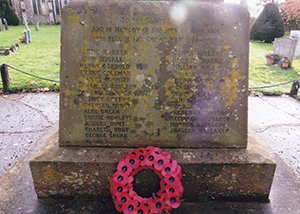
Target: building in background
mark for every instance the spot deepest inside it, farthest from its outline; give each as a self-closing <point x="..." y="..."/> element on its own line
<point x="42" y="11"/>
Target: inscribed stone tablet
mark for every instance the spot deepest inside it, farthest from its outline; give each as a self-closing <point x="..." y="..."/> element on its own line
<point x="285" y="46"/>
<point x="159" y="73"/>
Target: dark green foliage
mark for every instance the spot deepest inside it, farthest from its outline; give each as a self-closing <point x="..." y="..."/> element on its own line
<point x="268" y="26"/>
<point x="7" y="12"/>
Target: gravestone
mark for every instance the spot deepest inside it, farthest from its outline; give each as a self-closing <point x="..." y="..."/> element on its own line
<point x="2" y="27"/>
<point x="296" y="35"/>
<point x="160" y="73"/>
<point x="285" y="46"/>
<point x="26" y="37"/>
<point x="37" y="26"/>
<point x="5" y="24"/>
<point x="29" y="35"/>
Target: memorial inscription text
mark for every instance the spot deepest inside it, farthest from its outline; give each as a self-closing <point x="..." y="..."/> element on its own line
<point x="147" y="63"/>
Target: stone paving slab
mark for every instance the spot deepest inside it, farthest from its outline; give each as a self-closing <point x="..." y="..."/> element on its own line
<point x="25" y="118"/>
<point x="262" y="115"/>
<point x="277" y="121"/>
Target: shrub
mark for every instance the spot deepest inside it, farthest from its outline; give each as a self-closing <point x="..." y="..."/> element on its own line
<point x="7" y="12"/>
<point x="268" y="26"/>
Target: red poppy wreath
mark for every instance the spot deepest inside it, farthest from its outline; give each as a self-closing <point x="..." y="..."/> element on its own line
<point x="169" y="171"/>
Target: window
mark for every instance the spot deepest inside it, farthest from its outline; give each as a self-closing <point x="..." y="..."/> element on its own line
<point x="57" y="7"/>
<point x="37" y="7"/>
<point x="34" y="5"/>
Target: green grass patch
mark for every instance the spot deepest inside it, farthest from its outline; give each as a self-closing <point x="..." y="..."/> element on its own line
<point x="41" y="57"/>
<point x="261" y="74"/>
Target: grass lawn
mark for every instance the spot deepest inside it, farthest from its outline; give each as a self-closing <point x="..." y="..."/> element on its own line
<point x="41" y="58"/>
<point x="261" y="74"/>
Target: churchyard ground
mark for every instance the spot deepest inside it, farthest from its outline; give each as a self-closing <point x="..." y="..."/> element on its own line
<point x="42" y="58"/>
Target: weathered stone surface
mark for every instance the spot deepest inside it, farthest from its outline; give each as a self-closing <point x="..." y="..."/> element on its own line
<point x="159" y="73"/>
<point x="285" y="46"/>
<point x="296" y="35"/>
<point x="207" y="173"/>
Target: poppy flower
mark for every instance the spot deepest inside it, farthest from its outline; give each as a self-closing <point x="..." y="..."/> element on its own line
<point x="142" y="210"/>
<point x="162" y="190"/>
<point x="157" y="206"/>
<point x="130" y="207"/>
<point x="159" y="162"/>
<point x="172" y="200"/>
<point x="133" y="160"/>
<point x="118" y="189"/>
<point x="149" y="159"/>
<point x="171" y="178"/>
<point x="139" y="153"/>
<point x="120" y="177"/>
<point x="122" y="199"/>
<point x="157" y="150"/>
<point x="125" y="166"/>
<point x="141" y="200"/>
<point x="174" y="188"/>
<point x="169" y="168"/>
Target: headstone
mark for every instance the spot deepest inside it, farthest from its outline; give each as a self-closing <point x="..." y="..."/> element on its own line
<point x="154" y="80"/>
<point x="26" y="37"/>
<point x="285" y="46"/>
<point x="2" y="27"/>
<point x="37" y="26"/>
<point x="160" y="73"/>
<point x="296" y="35"/>
<point x="29" y="35"/>
<point x="5" y="24"/>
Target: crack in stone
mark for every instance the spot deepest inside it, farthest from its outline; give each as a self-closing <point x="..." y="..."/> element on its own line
<point x="276" y="126"/>
<point x="39" y="111"/>
<point x="33" y="108"/>
<point x="274" y="106"/>
<point x="26" y="132"/>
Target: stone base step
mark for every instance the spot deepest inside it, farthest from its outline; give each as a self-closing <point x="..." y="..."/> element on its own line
<point x="230" y="175"/>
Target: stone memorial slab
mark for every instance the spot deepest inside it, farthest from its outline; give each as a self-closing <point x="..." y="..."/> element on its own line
<point x="285" y="46"/>
<point x="296" y="35"/>
<point x="163" y="73"/>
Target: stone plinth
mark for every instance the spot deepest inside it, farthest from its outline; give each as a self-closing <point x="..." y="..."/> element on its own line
<point x="207" y="173"/>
